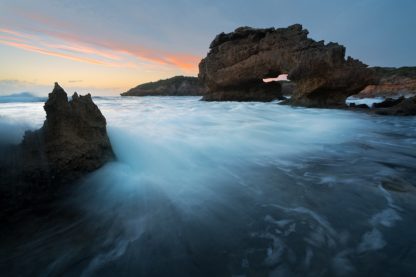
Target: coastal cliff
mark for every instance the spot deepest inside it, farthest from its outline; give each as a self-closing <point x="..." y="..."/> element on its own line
<point x="175" y="86"/>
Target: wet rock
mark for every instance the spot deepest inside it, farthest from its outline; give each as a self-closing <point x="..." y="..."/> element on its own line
<point x="73" y="139"/>
<point x="396" y="185"/>
<point x="406" y="107"/>
<point x="388" y="103"/>
<point x="359" y="106"/>
<point x="238" y="61"/>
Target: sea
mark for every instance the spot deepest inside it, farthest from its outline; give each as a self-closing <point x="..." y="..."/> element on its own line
<point x="226" y="189"/>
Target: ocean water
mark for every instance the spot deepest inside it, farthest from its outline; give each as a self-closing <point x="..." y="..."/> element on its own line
<point x="228" y="189"/>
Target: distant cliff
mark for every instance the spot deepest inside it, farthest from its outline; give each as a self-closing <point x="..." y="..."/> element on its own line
<point x="392" y="82"/>
<point x="175" y="86"/>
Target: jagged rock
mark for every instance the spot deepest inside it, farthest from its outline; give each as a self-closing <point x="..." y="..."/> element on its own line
<point x="238" y="61"/>
<point x="175" y="86"/>
<point x="73" y="139"/>
<point x="391" y="82"/>
<point x="72" y="142"/>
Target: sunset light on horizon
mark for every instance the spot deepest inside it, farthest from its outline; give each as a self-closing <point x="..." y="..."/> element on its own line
<point x="204" y="138"/>
<point x="107" y="48"/>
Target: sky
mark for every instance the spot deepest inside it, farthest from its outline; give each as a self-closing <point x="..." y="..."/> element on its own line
<point x="105" y="47"/>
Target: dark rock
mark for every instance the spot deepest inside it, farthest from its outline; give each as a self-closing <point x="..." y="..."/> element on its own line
<point x="175" y="86"/>
<point x="241" y="59"/>
<point x="405" y="107"/>
<point x="359" y="106"/>
<point x="287" y="88"/>
<point x="255" y="92"/>
<point x="388" y="103"/>
<point x="72" y="142"/>
<point x="397" y="185"/>
<point x="73" y="138"/>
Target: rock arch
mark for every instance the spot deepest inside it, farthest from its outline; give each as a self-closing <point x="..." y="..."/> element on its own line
<point x="238" y="61"/>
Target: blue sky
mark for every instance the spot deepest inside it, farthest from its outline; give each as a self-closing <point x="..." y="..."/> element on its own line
<point x="106" y="47"/>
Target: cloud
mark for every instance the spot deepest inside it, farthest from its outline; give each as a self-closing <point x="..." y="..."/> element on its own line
<point x="186" y="62"/>
<point x="75" y="81"/>
<point x="69" y="51"/>
<point x="50" y="37"/>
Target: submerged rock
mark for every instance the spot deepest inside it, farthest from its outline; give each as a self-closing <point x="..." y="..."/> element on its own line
<point x="238" y="61"/>
<point x="175" y="86"/>
<point x="72" y="142"/>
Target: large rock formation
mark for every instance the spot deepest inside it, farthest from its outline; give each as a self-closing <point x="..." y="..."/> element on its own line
<point x="175" y="86"/>
<point x="237" y="62"/>
<point x="72" y="142"/>
<point x="73" y="139"/>
<point x="391" y="82"/>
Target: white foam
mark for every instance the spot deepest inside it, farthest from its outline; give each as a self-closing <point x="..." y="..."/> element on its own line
<point x="342" y="265"/>
<point x="386" y="217"/>
<point x="371" y="240"/>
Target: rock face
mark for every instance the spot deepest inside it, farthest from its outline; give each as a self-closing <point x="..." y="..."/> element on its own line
<point x="73" y="139"/>
<point x="175" y="86"/>
<point x="256" y="91"/>
<point x="392" y="82"/>
<point x="237" y="62"/>
<point x="72" y="142"/>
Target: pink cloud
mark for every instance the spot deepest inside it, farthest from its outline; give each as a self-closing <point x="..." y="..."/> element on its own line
<point x="83" y="49"/>
<point x="61" y="55"/>
<point x="186" y="62"/>
<point x="88" y="48"/>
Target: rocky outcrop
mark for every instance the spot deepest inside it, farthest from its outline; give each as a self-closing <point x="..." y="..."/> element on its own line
<point x="238" y="62"/>
<point x="73" y="139"/>
<point x="72" y="142"/>
<point x="175" y="86"/>
<point x="391" y="82"/>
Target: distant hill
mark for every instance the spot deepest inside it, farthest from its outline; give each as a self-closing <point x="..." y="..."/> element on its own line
<point x="394" y="72"/>
<point x="175" y="86"/>
<point x="21" y="97"/>
<point x="392" y="82"/>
